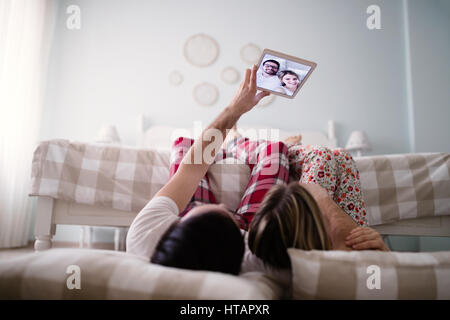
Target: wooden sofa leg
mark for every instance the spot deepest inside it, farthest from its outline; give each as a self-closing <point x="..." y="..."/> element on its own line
<point x="44" y="228"/>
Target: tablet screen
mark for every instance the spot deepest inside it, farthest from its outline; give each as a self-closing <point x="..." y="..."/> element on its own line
<point x="281" y="75"/>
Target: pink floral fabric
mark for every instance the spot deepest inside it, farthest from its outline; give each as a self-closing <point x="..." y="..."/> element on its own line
<point x="333" y="169"/>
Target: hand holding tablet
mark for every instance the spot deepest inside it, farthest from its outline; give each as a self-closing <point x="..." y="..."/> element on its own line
<point x="282" y="74"/>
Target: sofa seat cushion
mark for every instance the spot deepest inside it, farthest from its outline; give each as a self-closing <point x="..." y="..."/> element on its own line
<point x="370" y="275"/>
<point x="105" y="274"/>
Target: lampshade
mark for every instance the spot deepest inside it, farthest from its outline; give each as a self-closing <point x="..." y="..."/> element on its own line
<point x="358" y="141"/>
<point x="108" y="134"/>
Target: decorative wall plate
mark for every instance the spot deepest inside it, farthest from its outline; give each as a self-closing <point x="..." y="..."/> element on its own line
<point x="205" y="93"/>
<point x="201" y="50"/>
<point x="266" y="101"/>
<point x="250" y="53"/>
<point x="230" y="75"/>
<point x="175" y="78"/>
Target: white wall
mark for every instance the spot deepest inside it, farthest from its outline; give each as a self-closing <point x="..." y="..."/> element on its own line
<point x="429" y="37"/>
<point x="429" y="25"/>
<point x="116" y="67"/>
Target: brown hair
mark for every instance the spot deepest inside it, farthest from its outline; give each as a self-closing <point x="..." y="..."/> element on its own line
<point x="285" y="72"/>
<point x="288" y="217"/>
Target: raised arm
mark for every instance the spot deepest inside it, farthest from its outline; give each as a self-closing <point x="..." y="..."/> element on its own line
<point x="201" y="155"/>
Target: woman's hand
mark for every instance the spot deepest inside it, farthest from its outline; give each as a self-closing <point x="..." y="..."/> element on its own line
<point x="246" y="97"/>
<point x="365" y="238"/>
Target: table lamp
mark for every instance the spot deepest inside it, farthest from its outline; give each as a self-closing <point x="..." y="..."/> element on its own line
<point x="358" y="142"/>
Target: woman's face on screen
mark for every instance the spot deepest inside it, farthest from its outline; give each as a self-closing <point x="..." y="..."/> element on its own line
<point x="291" y="81"/>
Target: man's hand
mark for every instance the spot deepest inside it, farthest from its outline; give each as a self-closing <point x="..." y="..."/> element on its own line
<point x="246" y="97"/>
<point x="365" y="238"/>
<point x="182" y="185"/>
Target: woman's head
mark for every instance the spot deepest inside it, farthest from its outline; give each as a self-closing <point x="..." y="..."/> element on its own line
<point x="289" y="79"/>
<point x="208" y="239"/>
<point x="287" y="218"/>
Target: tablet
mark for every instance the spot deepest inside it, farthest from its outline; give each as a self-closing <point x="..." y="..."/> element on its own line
<point x="282" y="74"/>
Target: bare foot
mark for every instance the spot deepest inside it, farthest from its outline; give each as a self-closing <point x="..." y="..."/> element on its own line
<point x="294" y="139"/>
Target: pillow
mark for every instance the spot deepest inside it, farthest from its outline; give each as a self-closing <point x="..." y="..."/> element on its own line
<point x="118" y="275"/>
<point x="370" y="275"/>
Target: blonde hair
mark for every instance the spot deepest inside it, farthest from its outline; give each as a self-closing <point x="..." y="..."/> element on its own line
<point x="288" y="217"/>
<point x="281" y="75"/>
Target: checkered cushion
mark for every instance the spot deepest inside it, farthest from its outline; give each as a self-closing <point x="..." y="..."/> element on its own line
<point x="405" y="186"/>
<point x="394" y="187"/>
<point x="353" y="275"/>
<point x="112" y="275"/>
<point x="118" y="177"/>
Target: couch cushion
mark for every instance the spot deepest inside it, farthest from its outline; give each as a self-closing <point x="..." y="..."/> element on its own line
<point x="117" y="275"/>
<point x="349" y="275"/>
<point x="119" y="177"/>
<point x="405" y="186"/>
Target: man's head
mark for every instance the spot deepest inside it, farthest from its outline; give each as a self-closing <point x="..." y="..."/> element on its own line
<point x="287" y="218"/>
<point x="207" y="238"/>
<point x="271" y="67"/>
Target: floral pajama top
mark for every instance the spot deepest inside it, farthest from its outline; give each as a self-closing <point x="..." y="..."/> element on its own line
<point x="333" y="169"/>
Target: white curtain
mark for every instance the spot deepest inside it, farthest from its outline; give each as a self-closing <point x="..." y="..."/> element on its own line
<point x="25" y="34"/>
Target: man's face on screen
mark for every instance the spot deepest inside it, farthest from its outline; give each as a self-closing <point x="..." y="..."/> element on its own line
<point x="270" y="68"/>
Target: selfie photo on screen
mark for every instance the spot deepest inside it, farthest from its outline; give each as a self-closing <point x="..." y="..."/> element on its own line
<point x="281" y="75"/>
